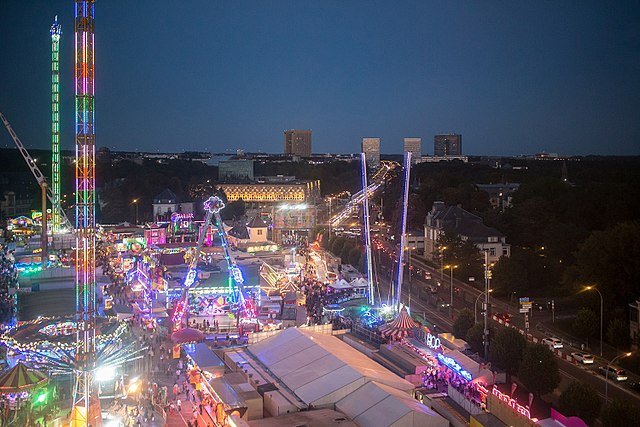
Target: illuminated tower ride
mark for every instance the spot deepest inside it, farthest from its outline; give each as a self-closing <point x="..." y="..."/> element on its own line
<point x="86" y="406"/>
<point x="56" y="31"/>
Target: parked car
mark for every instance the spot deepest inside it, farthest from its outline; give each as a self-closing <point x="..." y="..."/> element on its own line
<point x="553" y="342"/>
<point x="585" y="358"/>
<point x="613" y="372"/>
<point x="504" y="317"/>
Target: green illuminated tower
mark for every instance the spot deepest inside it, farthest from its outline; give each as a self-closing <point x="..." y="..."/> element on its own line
<point x="56" y="31"/>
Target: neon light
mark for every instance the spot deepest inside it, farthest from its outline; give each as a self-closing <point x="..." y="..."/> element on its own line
<point x="433" y="342"/>
<point x="454" y="366"/>
<point x="513" y="403"/>
<point x="56" y="31"/>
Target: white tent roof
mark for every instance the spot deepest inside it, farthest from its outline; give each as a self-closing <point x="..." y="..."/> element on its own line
<point x="378" y="405"/>
<point x="360" y="282"/>
<point x="340" y="284"/>
<point x="320" y="369"/>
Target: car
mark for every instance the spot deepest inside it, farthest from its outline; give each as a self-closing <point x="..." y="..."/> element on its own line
<point x="585" y="358"/>
<point x="553" y="342"/>
<point x="635" y="387"/>
<point x="613" y="372"/>
<point x="503" y="317"/>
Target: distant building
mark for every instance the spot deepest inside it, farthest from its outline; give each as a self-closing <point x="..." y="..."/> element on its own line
<point x="12" y="204"/>
<point x="454" y="219"/>
<point x="500" y="195"/>
<point x="270" y="191"/>
<point x="235" y="170"/>
<point x="251" y="237"/>
<point x="166" y="203"/>
<point x="371" y="149"/>
<point x="447" y="145"/>
<point x="437" y="159"/>
<point x="413" y="146"/>
<point x="297" y="142"/>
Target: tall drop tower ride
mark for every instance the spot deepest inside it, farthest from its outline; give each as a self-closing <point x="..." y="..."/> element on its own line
<point x="56" y="31"/>
<point x="86" y="406"/>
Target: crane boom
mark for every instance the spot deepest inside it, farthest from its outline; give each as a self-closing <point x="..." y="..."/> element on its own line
<point x="42" y="181"/>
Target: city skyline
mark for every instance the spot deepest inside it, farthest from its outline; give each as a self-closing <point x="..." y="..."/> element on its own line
<point x="513" y="79"/>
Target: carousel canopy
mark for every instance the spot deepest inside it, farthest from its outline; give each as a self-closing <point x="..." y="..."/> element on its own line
<point x="187" y="335"/>
<point x="400" y="327"/>
<point x="20" y="378"/>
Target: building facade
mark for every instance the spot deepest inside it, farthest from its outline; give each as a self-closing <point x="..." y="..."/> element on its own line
<point x="297" y="142"/>
<point x="166" y="203"/>
<point x="454" y="219"/>
<point x="447" y="145"/>
<point x="500" y="195"/>
<point x="413" y="146"/>
<point x="371" y="149"/>
<point x="235" y="170"/>
<point x="269" y="192"/>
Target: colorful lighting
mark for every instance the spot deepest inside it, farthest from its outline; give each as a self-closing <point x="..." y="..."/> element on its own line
<point x="450" y="363"/>
<point x="56" y="31"/>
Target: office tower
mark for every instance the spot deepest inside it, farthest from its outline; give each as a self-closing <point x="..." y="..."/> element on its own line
<point x="413" y="146"/>
<point x="297" y="142"/>
<point x="371" y="149"/>
<point x="447" y="145"/>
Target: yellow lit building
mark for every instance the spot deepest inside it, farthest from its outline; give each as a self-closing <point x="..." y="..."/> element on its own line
<point x="265" y="193"/>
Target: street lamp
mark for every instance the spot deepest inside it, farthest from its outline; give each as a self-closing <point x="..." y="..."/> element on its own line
<point x="475" y="305"/>
<point x="451" y="268"/>
<point x="135" y="202"/>
<point x="442" y="249"/>
<point x="606" y="378"/>
<point x="593" y="288"/>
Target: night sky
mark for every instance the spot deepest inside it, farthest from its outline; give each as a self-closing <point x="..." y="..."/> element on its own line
<point x="513" y="77"/>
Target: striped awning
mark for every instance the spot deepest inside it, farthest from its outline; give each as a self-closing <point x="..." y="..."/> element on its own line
<point x="20" y="378"/>
<point x="400" y="327"/>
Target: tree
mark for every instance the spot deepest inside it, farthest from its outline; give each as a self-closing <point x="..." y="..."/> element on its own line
<point x="354" y="257"/>
<point x="337" y="245"/>
<point x="474" y="337"/>
<point x="618" y="334"/>
<point x="620" y="413"/>
<point x="539" y="369"/>
<point x="463" y="323"/>
<point x="580" y="399"/>
<point x="586" y="323"/>
<point x="509" y="276"/>
<point x="506" y="349"/>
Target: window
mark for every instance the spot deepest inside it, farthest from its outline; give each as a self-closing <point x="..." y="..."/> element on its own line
<point x="492" y="251"/>
<point x="493" y="239"/>
<point x="259" y="232"/>
<point x="505" y="251"/>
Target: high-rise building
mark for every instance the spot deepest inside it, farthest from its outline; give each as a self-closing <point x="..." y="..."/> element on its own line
<point x="447" y="145"/>
<point x="297" y="142"/>
<point x="371" y="149"/>
<point x="413" y="146"/>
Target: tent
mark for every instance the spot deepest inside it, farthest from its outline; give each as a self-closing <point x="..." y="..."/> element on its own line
<point x="320" y="369"/>
<point x="400" y="327"/>
<point x="340" y="285"/>
<point x="205" y="359"/>
<point x="378" y="405"/>
<point x="20" y="378"/>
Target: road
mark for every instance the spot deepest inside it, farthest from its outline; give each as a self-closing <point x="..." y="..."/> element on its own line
<point x="568" y="370"/>
<point x="354" y="203"/>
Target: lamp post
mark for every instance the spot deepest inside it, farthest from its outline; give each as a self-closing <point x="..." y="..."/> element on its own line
<point x="442" y="249"/>
<point x="135" y="202"/>
<point x="451" y="268"/>
<point x="593" y="288"/>
<point x="475" y="305"/>
<point x="606" y="378"/>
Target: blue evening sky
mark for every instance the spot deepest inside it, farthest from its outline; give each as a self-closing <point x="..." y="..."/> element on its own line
<point x="514" y="77"/>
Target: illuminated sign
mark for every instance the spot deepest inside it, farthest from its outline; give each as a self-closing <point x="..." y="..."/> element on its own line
<point x="513" y="403"/>
<point x="454" y="366"/>
<point x="293" y="207"/>
<point x="433" y="342"/>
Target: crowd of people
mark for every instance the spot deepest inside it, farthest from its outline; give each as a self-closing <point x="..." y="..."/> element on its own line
<point x="8" y="280"/>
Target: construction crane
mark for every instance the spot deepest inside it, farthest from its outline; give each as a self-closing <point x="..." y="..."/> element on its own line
<point x="44" y="188"/>
<point x="213" y="205"/>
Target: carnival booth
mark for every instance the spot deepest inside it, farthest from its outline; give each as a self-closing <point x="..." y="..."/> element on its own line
<point x="402" y="326"/>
